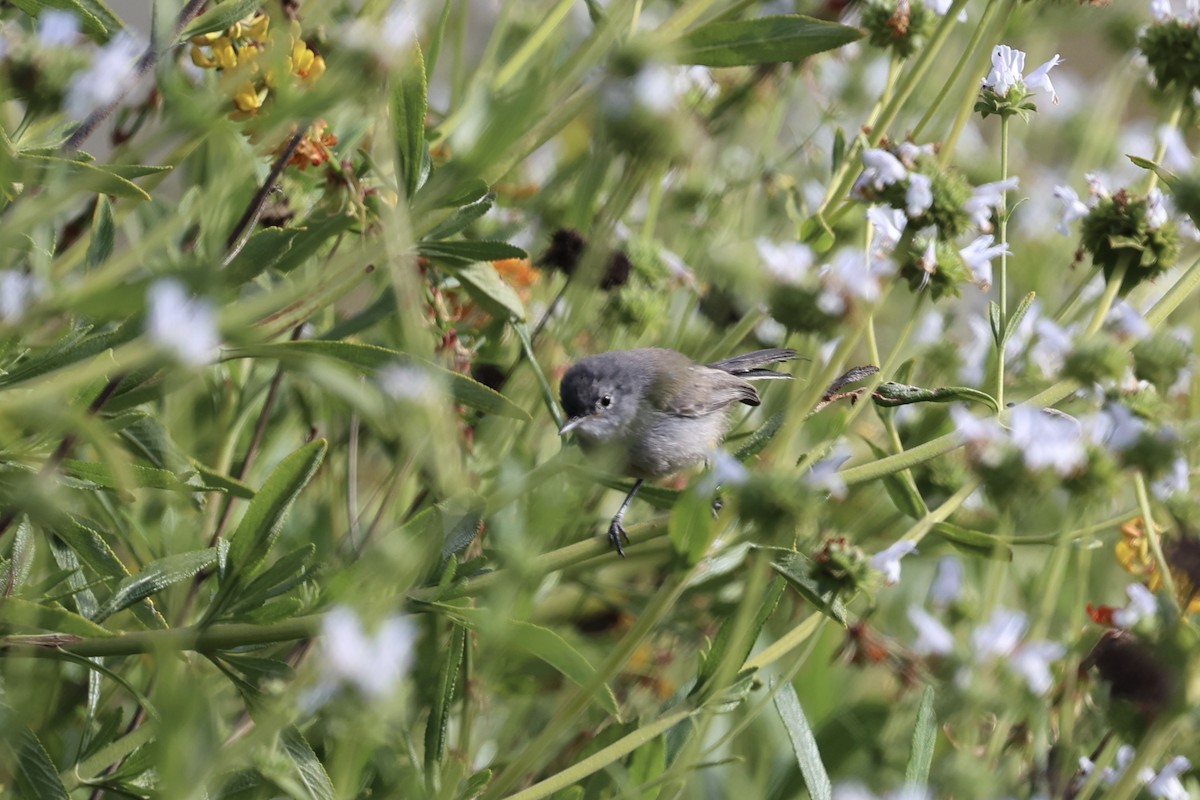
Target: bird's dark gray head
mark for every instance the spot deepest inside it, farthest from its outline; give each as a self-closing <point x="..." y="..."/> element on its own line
<point x="601" y="395"/>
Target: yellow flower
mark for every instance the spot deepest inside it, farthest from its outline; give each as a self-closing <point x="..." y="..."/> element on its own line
<point x="1133" y="553"/>
<point x="256" y="27"/>
<point x="304" y="62"/>
<point x="200" y="58"/>
<point x="248" y="98"/>
<point x="206" y="39"/>
<point x="224" y="54"/>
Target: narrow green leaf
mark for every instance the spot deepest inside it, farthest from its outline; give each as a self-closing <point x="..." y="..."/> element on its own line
<point x="467" y="252"/>
<point x="691" y="528"/>
<point x="488" y="289"/>
<point x="255" y="534"/>
<point x="815" y="231"/>
<point x="36" y="775"/>
<point x="1169" y="178"/>
<point x="132" y="171"/>
<point x="721" y="642"/>
<point x="758" y="440"/>
<point x="439" y="713"/>
<point x="219" y="17"/>
<point x="92" y="550"/>
<point x="261" y="252"/>
<point x="460" y="218"/>
<point x="798" y="570"/>
<point x="223" y="483"/>
<point x="144" y="477"/>
<point x="973" y="542"/>
<point x="312" y="775"/>
<point x="84" y="177"/>
<point x="409" y="105"/>
<point x="370" y="358"/>
<point x="308" y="242"/>
<point x="17" y="611"/>
<point x="901" y="489"/>
<point x="156" y="576"/>
<point x="87" y="20"/>
<point x="890" y="393"/>
<point x="104" y="233"/>
<point x="541" y="643"/>
<point x="76" y="346"/>
<point x="1015" y="318"/>
<point x="289" y="571"/>
<point x="804" y="744"/>
<point x="916" y="774"/>
<point x="763" y="40"/>
<point x="994" y="320"/>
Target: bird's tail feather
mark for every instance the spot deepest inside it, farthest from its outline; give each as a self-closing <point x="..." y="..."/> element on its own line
<point x="750" y="365"/>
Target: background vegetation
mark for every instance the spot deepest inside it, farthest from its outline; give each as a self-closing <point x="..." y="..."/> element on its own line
<point x="283" y="511"/>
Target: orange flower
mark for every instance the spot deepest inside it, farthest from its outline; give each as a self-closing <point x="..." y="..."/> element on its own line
<point x="313" y="150"/>
<point x="517" y="272"/>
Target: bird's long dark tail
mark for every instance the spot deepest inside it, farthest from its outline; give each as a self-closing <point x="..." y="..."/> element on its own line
<point x="750" y="365"/>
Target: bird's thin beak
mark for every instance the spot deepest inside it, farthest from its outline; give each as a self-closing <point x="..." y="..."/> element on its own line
<point x="571" y="425"/>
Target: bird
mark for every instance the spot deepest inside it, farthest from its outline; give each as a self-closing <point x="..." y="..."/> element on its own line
<point x="652" y="412"/>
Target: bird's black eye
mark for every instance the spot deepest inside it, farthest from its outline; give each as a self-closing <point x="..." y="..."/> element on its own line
<point x="606" y="401"/>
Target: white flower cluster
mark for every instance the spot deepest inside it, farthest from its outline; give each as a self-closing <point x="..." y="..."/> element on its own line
<point x="1008" y="67"/>
<point x="1164" y="784"/>
<point x="850" y="276"/>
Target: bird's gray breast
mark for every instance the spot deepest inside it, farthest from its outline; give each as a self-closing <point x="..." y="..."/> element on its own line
<point x="669" y="443"/>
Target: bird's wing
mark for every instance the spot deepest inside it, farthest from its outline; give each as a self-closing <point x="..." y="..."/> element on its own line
<point x="708" y="391"/>
<point x="747" y="365"/>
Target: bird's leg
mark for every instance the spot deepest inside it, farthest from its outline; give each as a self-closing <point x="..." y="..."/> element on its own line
<point x="616" y="531"/>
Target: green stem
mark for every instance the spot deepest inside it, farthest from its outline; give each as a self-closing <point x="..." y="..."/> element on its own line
<point x="1111" y="289"/>
<point x="1164" y="569"/>
<point x="214" y="638"/>
<point x="1161" y="149"/>
<point x="1003" y="286"/>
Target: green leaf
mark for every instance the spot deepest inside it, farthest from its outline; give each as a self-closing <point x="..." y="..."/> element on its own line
<point x="1015" y="318"/>
<point x="262" y="251"/>
<point x="219" y="17"/>
<point x="370" y="358"/>
<point x="17" y="611"/>
<point x="89" y="21"/>
<point x="460" y="218"/>
<point x="156" y="576"/>
<point x="901" y="489"/>
<point x="409" y="104"/>
<point x="132" y="171"/>
<point x="973" y="542"/>
<point x="281" y="577"/>
<point x="313" y="779"/>
<point x="255" y="534"/>
<point x="95" y="552"/>
<point x="758" y="440"/>
<point x="35" y="772"/>
<point x="466" y="252"/>
<point x="916" y="774"/>
<point x="890" y="393"/>
<point x="104" y="233"/>
<point x="306" y="244"/>
<point x="995" y="321"/>
<point x="488" y="289"/>
<point x="763" y="40"/>
<point x="439" y="712"/>
<point x="1169" y="178"/>
<point x="798" y="570"/>
<point x="815" y="231"/>
<point x="223" y="483"/>
<point x="541" y="643"/>
<point x="84" y="177"/>
<point x="691" y="528"/>
<point x="76" y="346"/>
<point x="144" y="477"/>
<point x="804" y="744"/>
<point x="717" y="653"/>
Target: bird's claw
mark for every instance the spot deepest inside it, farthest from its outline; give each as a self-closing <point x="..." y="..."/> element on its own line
<point x="616" y="532"/>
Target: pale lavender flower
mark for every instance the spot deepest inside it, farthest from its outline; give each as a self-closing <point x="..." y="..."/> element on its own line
<point x="1156" y="211"/>
<point x="978" y="257"/>
<point x="1127" y="323"/>
<point x="940" y="7"/>
<point x="1053" y="343"/>
<point x="771" y="331"/>
<point x="825" y="475"/>
<point x="947" y="582"/>
<point x="985" y="199"/>
<point x="887" y="560"/>
<point x="850" y="277"/>
<point x="1032" y="662"/>
<point x="919" y="196"/>
<point x="928" y="262"/>
<point x="1142" y="604"/>
<point x="1176" y="481"/>
<point x="1161" y="10"/>
<point x="696" y="80"/>
<point x="184" y="325"/>
<point x="1008" y="66"/>
<point x="908" y="152"/>
<point x="1166" y="784"/>
<point x="726" y="471"/>
<point x="888" y="225"/>
<point x="932" y="636"/>
<point x="1000" y="635"/>
<point x="655" y="89"/>
<point x="410" y="383"/>
<point x="57" y="28"/>
<point x="113" y="68"/>
<point x="373" y="663"/>
<point x="985" y="438"/>
<point x="880" y="170"/>
<point x="788" y="263"/>
<point x="1096" y="188"/>
<point x="17" y="290"/>
<point x="1073" y="208"/>
<point x="1048" y="440"/>
<point x="1115" y="428"/>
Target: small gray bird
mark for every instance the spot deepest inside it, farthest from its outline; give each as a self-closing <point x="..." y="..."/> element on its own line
<point x="654" y="412"/>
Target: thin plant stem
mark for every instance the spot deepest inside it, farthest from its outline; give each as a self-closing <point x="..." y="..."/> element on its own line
<point x="1160" y="560"/>
<point x="1111" y="290"/>
<point x="1002" y="213"/>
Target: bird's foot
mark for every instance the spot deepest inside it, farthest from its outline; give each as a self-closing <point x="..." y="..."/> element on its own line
<point x="616" y="532"/>
<point x="718" y="503"/>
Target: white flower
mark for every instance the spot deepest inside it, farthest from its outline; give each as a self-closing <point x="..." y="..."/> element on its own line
<point x="1127" y="323"/>
<point x="1166" y="784"/>
<point x="932" y="636"/>
<point x="947" y="581"/>
<point x="1008" y="65"/>
<point x="770" y="331"/>
<point x="1115" y="427"/>
<point x="1000" y="635"/>
<point x="1053" y="343"/>
<point x="908" y="153"/>
<point x="411" y="383"/>
<point x="101" y="84"/>
<point x="1073" y="208"/>
<point x="848" y="277"/>
<point x="985" y="199"/>
<point x="1174" y="482"/>
<point x="1096" y="188"/>
<point x="880" y="170"/>
<point x="696" y="79"/>
<point x="17" y="290"/>
<point x="919" y="196"/>
<point x="887" y="226"/>
<point x="788" y="262"/>
<point x="1142" y="604"/>
<point x="187" y="326"/>
<point x="374" y="664"/>
<point x="824" y="475"/>
<point x="1048" y="440"/>
<point x="1040" y="78"/>
<point x="655" y="89"/>
<point x="1161" y="11"/>
<point x="389" y="39"/>
<point x="978" y="257"/>
<point x="726" y="471"/>
<point x="1032" y="662"/>
<point x="984" y="437"/>
<point x="57" y="28"/>
<point x="1156" y="211"/>
<point x="887" y="560"/>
